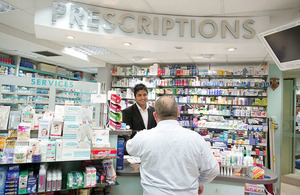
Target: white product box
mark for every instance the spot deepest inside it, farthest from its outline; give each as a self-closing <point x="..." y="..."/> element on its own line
<point x="71" y="131"/>
<point x="56" y="128"/>
<point x="76" y="150"/>
<point x="59" y="111"/>
<point x="100" y="137"/>
<point x="73" y="113"/>
<point x="44" y="129"/>
<point x="59" y="149"/>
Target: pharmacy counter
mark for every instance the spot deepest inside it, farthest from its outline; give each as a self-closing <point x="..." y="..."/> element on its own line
<point x="129" y="180"/>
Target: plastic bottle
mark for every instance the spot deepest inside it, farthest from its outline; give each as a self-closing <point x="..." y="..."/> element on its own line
<point x="49" y="181"/>
<point x="54" y="180"/>
<point x="58" y="180"/>
<point x="42" y="178"/>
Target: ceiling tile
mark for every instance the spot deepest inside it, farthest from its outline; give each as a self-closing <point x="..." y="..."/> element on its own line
<point x="186" y="7"/>
<point x="237" y="6"/>
<point x="135" y="5"/>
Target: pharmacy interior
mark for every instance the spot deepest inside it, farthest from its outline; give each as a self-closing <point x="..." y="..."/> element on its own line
<point x="66" y="77"/>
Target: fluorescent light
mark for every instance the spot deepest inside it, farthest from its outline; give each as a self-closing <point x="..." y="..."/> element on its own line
<point x="70" y="37"/>
<point x="178" y="47"/>
<point x="231" y="49"/>
<point x="206" y="56"/>
<point x="91" y="50"/>
<point x="4" y="7"/>
<point x="28" y="54"/>
<point x="138" y="58"/>
<point x="127" y="44"/>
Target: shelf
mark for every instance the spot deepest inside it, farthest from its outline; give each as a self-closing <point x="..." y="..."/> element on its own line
<point x="37" y="71"/>
<point x="214" y="95"/>
<point x="201" y="76"/>
<point x="223" y="104"/>
<point x="8" y="93"/>
<point x="69" y="77"/>
<point x="60" y="161"/>
<point x="132" y="76"/>
<point x="218" y="76"/>
<point x="225" y="87"/>
<point x="223" y="115"/>
<point x="8" y="65"/>
<point x="130" y="87"/>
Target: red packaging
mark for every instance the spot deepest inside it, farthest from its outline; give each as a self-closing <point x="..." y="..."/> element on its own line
<point x="115" y="107"/>
<point x="115" y="99"/>
<point x="114" y="125"/>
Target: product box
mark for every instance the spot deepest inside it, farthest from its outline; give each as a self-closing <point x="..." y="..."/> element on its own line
<point x="47" y="67"/>
<point x="24" y="132"/>
<point x="3" y="171"/>
<point x="44" y="129"/>
<point x="71" y="131"/>
<point x="14" y="119"/>
<point x="59" y="149"/>
<point x="120" y="153"/>
<point x="56" y="129"/>
<point x="100" y="138"/>
<point x="13" y="172"/>
<point x="101" y="153"/>
<point x="73" y="114"/>
<point x="4" y="114"/>
<point x="76" y="150"/>
<point x="23" y="179"/>
<point x="50" y="154"/>
<point x="31" y="186"/>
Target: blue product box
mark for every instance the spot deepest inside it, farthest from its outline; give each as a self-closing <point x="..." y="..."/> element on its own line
<point x="31" y="186"/>
<point x="120" y="153"/>
<point x="13" y="172"/>
<point x="3" y="171"/>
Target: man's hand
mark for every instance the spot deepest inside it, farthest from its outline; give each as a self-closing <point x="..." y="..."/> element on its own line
<point x="200" y="190"/>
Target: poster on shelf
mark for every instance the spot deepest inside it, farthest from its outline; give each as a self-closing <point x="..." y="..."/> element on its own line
<point x="4" y="114"/>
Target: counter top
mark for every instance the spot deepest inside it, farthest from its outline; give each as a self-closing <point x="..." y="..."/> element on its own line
<point x="115" y="132"/>
<point x="134" y="170"/>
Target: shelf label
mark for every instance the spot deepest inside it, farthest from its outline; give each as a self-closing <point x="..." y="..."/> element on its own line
<point x="98" y="98"/>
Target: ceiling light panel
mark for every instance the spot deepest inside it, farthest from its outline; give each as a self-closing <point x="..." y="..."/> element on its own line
<point x="91" y="50"/>
<point x="4" y="7"/>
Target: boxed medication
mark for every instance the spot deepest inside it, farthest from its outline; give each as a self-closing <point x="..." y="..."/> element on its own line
<point x="47" y="67"/>
<point x="100" y="153"/>
<point x="76" y="150"/>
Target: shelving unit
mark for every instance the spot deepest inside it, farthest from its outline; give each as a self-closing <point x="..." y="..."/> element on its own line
<point x="205" y="95"/>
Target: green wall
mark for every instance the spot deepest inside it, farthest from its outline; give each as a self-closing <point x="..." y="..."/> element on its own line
<point x="288" y="128"/>
<point x="275" y="109"/>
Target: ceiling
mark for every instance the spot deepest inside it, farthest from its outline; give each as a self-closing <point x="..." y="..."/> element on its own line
<point x="17" y="32"/>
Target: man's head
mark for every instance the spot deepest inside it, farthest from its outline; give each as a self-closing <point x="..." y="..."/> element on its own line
<point x="141" y="95"/>
<point x="166" y="109"/>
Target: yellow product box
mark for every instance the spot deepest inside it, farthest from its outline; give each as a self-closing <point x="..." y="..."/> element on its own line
<point x="2" y="142"/>
<point x="47" y="67"/>
<point x="220" y="72"/>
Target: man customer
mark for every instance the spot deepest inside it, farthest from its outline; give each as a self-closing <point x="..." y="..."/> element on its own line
<point x="174" y="160"/>
<point x="139" y="116"/>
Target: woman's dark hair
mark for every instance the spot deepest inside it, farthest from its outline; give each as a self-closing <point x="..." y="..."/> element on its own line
<point x="139" y="87"/>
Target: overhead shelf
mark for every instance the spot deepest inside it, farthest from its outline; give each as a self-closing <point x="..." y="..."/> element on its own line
<point x="37" y="71"/>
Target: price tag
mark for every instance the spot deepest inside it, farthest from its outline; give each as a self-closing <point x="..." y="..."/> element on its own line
<point x="98" y="98"/>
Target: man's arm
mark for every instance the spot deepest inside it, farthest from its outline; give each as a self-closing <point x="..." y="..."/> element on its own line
<point x="209" y="166"/>
<point x="127" y="117"/>
<point x="133" y="146"/>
